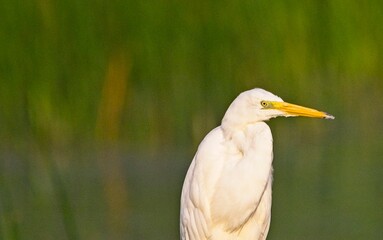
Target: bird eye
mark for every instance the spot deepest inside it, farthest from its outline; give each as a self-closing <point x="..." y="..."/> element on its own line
<point x="264" y="104"/>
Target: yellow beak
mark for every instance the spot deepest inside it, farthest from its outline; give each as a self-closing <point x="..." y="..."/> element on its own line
<point x="296" y="110"/>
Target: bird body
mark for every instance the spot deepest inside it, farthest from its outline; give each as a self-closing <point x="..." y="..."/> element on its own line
<point x="227" y="190"/>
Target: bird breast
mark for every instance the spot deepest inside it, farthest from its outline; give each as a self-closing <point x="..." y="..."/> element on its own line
<point x="244" y="177"/>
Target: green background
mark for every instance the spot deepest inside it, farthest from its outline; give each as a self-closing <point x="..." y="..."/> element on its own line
<point x="103" y="104"/>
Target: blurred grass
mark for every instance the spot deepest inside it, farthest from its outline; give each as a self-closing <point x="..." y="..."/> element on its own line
<point x="104" y="102"/>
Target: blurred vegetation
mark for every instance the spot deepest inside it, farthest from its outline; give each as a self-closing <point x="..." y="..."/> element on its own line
<point x="103" y="104"/>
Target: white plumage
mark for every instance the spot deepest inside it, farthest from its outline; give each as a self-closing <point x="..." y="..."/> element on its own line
<point x="227" y="190"/>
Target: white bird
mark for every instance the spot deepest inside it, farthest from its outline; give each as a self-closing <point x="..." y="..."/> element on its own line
<point x="226" y="194"/>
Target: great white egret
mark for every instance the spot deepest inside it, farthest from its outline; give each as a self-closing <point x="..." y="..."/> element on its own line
<point x="227" y="190"/>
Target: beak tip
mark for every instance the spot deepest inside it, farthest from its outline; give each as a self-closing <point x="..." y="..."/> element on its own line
<point x="329" y="116"/>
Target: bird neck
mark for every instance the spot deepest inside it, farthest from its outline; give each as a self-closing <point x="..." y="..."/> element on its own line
<point x="235" y="133"/>
<point x="230" y="127"/>
<point x="241" y="137"/>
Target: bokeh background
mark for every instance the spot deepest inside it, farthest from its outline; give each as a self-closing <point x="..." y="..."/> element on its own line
<point x="103" y="104"/>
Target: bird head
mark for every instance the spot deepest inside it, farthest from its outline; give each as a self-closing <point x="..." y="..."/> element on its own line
<point x="257" y="105"/>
